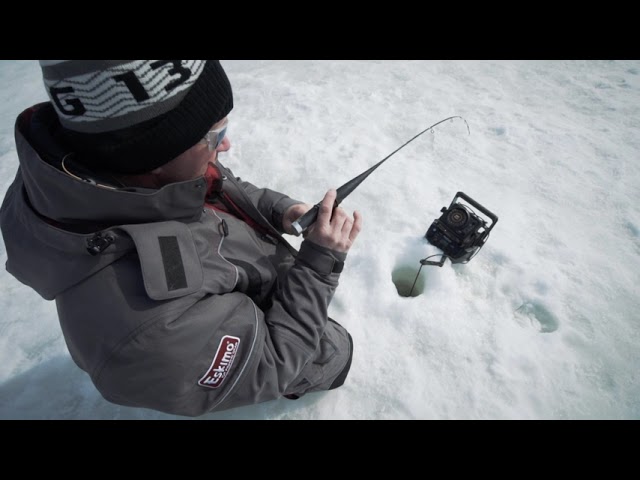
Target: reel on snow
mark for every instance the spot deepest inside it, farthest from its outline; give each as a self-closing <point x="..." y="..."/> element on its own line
<point x="460" y="232"/>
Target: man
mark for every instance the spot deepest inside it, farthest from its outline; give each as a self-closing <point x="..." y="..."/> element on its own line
<point x="174" y="287"/>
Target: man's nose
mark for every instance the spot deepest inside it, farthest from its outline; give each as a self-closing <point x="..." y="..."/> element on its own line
<point x="224" y="145"/>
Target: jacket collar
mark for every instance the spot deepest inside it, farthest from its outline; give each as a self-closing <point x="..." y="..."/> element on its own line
<point x="63" y="198"/>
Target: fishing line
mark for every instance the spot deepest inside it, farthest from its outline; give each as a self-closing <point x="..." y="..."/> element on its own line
<point x="309" y="218"/>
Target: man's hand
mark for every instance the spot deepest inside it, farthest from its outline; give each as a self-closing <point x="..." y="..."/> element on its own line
<point x="334" y="228"/>
<point x="293" y="213"/>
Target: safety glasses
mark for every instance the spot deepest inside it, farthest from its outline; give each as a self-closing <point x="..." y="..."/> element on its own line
<point x="214" y="137"/>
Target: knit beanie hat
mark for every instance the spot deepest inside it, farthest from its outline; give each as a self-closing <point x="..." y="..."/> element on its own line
<point x="132" y="116"/>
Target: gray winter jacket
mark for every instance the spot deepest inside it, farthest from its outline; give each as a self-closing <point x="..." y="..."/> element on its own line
<point x="166" y="304"/>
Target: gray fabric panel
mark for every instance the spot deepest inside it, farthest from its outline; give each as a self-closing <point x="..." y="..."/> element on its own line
<point x="146" y="237"/>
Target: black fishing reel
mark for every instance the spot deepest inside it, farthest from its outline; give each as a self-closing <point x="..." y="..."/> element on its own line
<point x="460" y="232"/>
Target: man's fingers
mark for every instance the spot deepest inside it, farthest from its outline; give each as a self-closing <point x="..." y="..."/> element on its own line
<point x="357" y="226"/>
<point x="334" y="228"/>
<point x="326" y="207"/>
<point x="338" y="219"/>
<point x="346" y="228"/>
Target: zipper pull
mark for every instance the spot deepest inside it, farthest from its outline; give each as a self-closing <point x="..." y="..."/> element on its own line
<point x="223" y="228"/>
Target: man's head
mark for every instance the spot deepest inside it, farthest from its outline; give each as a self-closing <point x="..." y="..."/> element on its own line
<point x="134" y="116"/>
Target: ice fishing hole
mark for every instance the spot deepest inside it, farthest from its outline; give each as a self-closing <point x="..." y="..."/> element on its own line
<point x="537" y="316"/>
<point x="403" y="277"/>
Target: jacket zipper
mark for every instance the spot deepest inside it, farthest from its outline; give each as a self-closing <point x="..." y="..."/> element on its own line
<point x="223" y="228"/>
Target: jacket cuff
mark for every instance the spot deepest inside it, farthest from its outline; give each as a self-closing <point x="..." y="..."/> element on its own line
<point x="321" y="259"/>
<point x="277" y="212"/>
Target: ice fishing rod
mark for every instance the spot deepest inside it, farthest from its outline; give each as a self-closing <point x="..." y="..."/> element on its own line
<point x="308" y="219"/>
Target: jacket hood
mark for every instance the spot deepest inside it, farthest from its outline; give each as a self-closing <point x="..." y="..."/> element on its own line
<point x="45" y="207"/>
<point x="60" y="197"/>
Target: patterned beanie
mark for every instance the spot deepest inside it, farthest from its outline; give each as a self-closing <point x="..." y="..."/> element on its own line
<point x="132" y="116"/>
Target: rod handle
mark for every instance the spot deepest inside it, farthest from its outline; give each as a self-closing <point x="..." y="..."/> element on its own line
<point x="306" y="220"/>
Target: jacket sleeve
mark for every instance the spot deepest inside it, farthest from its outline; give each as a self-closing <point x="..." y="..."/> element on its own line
<point x="300" y="350"/>
<point x="271" y="204"/>
<point x="297" y="324"/>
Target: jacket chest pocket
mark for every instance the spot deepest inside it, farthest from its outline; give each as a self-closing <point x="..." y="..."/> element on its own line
<point x="169" y="259"/>
<point x="179" y="259"/>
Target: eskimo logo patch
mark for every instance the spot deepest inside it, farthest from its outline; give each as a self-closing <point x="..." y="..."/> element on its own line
<point x="221" y="362"/>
